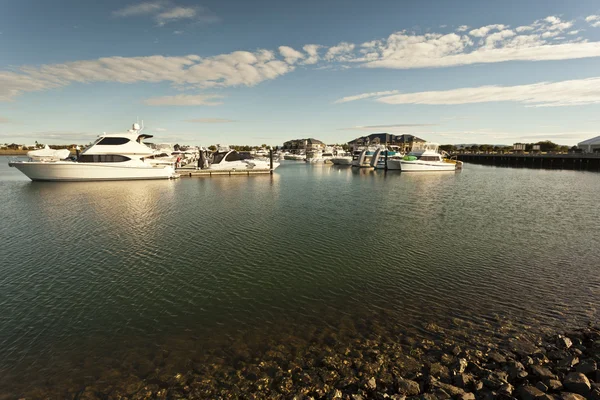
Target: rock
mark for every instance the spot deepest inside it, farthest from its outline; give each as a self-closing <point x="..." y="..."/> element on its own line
<point x="408" y="387"/>
<point x="522" y="347"/>
<point x="463" y="380"/>
<point x="397" y="397"/>
<point x="497" y="357"/>
<point x="541" y="372"/>
<point x="542" y="386"/>
<point x="478" y="386"/>
<point x="336" y="394"/>
<point x="529" y="392"/>
<point x="514" y="368"/>
<point x="450" y="389"/>
<point x="554" y="384"/>
<point x="439" y="371"/>
<point x="568" y="362"/>
<point x="571" y="396"/>
<point x="577" y="382"/>
<point x="428" y="396"/>
<point x="461" y="365"/>
<point x="467" y="396"/>
<point x="372" y="384"/>
<point x="506" y="389"/>
<point x="564" y="342"/>
<point x="557" y="354"/>
<point x="357" y="397"/>
<point x="587" y="366"/>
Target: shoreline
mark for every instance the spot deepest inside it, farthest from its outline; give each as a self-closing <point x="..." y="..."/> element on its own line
<point x="527" y="366"/>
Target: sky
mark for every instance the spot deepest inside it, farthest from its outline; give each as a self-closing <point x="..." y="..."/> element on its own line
<point x="254" y="72"/>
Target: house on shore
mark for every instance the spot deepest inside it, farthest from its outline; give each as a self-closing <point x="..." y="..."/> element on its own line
<point x="303" y="145"/>
<point x="404" y="142"/>
<point x="590" y="146"/>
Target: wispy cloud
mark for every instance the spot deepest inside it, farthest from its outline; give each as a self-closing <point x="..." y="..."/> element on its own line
<point x="593" y="20"/>
<point x="164" y="12"/>
<point x="159" y="130"/>
<point x="185" y="100"/>
<point x="290" y="55"/>
<point x="211" y="120"/>
<point x="384" y="127"/>
<point x="543" y="94"/>
<point x="4" y="120"/>
<point x="365" y="96"/>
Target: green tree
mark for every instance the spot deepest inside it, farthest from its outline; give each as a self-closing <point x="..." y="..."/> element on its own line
<point x="212" y="147"/>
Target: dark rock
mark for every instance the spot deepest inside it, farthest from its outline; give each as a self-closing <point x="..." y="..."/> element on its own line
<point x="514" y="367"/>
<point x="507" y="389"/>
<point x="577" y="382"/>
<point x="439" y="371"/>
<point x="372" y="384"/>
<point x="542" y="386"/>
<point x="397" y="397"/>
<point x="571" y="396"/>
<point x="463" y="380"/>
<point x="554" y="384"/>
<point x="541" y="372"/>
<point x="461" y="365"/>
<point x="522" y="347"/>
<point x="478" y="386"/>
<point x="587" y="366"/>
<point x="467" y="396"/>
<point x="568" y="362"/>
<point x="497" y="357"/>
<point x="408" y="387"/>
<point x="557" y="354"/>
<point x="529" y="393"/>
<point x="564" y="342"/>
<point x="357" y="397"/>
<point x="428" y="396"/>
<point x="450" y="389"/>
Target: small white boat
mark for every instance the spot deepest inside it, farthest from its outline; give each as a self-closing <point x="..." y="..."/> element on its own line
<point x="294" y="157"/>
<point x="231" y="160"/>
<point x="424" y="157"/>
<point x="342" y="158"/>
<point x="362" y="157"/>
<point x="111" y="157"/>
<point x="379" y="159"/>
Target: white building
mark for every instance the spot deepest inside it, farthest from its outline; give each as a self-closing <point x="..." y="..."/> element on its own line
<point x="590" y="146"/>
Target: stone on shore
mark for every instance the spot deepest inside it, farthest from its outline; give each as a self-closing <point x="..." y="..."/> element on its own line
<point x="577" y="382"/>
<point x="529" y="393"/>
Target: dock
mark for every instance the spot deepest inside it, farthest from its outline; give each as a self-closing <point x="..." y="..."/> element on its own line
<point x="191" y="172"/>
<point x="580" y="162"/>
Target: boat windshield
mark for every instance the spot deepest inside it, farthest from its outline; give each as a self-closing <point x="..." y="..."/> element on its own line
<point x="218" y="157"/>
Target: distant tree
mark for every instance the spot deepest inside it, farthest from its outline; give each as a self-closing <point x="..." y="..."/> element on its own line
<point x="264" y="146"/>
<point x="176" y="147"/>
<point x="212" y="147"/>
<point x="448" y="148"/>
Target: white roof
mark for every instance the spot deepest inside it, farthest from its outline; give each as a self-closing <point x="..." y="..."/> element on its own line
<point x="588" y="142"/>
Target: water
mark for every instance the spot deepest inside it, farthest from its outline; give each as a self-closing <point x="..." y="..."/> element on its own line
<point x="95" y="277"/>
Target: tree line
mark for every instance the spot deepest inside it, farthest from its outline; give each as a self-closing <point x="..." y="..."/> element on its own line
<point x="545" y="146"/>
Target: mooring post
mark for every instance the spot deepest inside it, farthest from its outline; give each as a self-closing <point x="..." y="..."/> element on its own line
<point x="386" y="156"/>
<point x="271" y="161"/>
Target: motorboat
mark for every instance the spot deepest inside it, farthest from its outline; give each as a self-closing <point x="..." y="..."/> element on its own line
<point x="424" y="157"/>
<point x="314" y="156"/>
<point x="362" y="158"/>
<point x="231" y="160"/>
<point x="342" y="158"/>
<point x="120" y="156"/>
<point x="294" y="157"/>
<point x="381" y="156"/>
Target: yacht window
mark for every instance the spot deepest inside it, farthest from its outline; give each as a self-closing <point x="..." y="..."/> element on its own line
<point x="112" y="141"/>
<point x="429" y="158"/>
<point x="102" y="158"/>
<point x="217" y="157"/>
<point x="233" y="156"/>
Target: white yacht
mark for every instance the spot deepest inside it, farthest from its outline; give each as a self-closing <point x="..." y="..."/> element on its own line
<point x="295" y="157"/>
<point x="379" y="158"/>
<point x="231" y="160"/>
<point x="342" y="158"/>
<point x="424" y="157"/>
<point x="314" y="156"/>
<point x="48" y="154"/>
<point x="111" y="157"/>
<point x="363" y="158"/>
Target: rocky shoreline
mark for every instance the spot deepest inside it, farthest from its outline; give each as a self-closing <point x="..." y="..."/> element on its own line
<point x="554" y="366"/>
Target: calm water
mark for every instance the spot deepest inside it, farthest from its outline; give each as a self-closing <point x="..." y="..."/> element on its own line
<point x="94" y="276"/>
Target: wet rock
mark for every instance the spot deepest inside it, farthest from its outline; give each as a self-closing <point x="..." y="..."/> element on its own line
<point x="372" y="384"/>
<point x="357" y="397"/>
<point x="407" y="387"/>
<point x="507" y="389"/>
<point x="554" y="384"/>
<point x="461" y="365"/>
<point x="467" y="396"/>
<point x="542" y="372"/>
<point x="586" y="366"/>
<point x="463" y="380"/>
<point x="450" y="389"/>
<point x="542" y="386"/>
<point x="564" y="342"/>
<point x="497" y="357"/>
<point x="571" y="396"/>
<point x="522" y="348"/>
<point x="577" y="382"/>
<point x="439" y="371"/>
<point x="557" y="354"/>
<point x="568" y="362"/>
<point x="529" y="393"/>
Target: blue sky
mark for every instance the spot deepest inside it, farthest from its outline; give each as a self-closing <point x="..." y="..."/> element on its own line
<point x="240" y="72"/>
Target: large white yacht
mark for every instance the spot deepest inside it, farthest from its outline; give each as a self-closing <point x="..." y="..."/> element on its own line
<point x="119" y="156"/>
<point x="342" y="158"/>
<point x="424" y="157"/>
<point x="227" y="159"/>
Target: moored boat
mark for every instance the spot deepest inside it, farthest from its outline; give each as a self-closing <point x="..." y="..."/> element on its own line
<point x="424" y="157"/>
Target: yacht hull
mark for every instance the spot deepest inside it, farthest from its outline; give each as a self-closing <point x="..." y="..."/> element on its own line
<point x="341" y="160"/>
<point x="73" y="171"/>
<point x="424" y="166"/>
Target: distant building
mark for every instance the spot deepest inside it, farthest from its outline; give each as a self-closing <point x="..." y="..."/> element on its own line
<point x="590" y="146"/>
<point x="304" y="144"/>
<point x="405" y="142"/>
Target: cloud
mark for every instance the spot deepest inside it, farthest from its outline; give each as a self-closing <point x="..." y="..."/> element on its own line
<point x="462" y="28"/>
<point x="160" y="130"/>
<point x="364" y="96"/>
<point x="177" y="32"/>
<point x="341" y="52"/>
<point x="185" y="100"/>
<point x="211" y="120"/>
<point x="594" y="20"/>
<point x="290" y="55"/>
<point x="484" y="30"/>
<point x="543" y="94"/>
<point x="165" y="12"/>
<point x="313" y="53"/>
<point x="524" y="28"/>
<point x="384" y="127"/>
<point x="140" y="9"/>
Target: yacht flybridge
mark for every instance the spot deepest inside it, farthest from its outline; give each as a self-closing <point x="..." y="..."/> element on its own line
<point x="424" y="157"/>
<point x="121" y="156"/>
<point x="227" y="159"/>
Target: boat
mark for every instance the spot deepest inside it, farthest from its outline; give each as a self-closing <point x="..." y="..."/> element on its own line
<point x="120" y="156"/>
<point x="294" y="157"/>
<point x="362" y="158"/>
<point x="342" y="158"/>
<point x="225" y="159"/>
<point x="424" y="157"/>
<point x="314" y="156"/>
<point x="379" y="158"/>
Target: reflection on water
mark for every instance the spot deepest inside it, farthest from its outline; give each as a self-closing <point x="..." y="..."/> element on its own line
<point x="105" y="277"/>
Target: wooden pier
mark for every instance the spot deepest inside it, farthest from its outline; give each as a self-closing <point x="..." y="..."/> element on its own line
<point x="191" y="173"/>
<point x="581" y="162"/>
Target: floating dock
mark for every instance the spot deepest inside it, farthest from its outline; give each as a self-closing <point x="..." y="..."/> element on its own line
<point x="582" y="162"/>
<point x="191" y="173"/>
